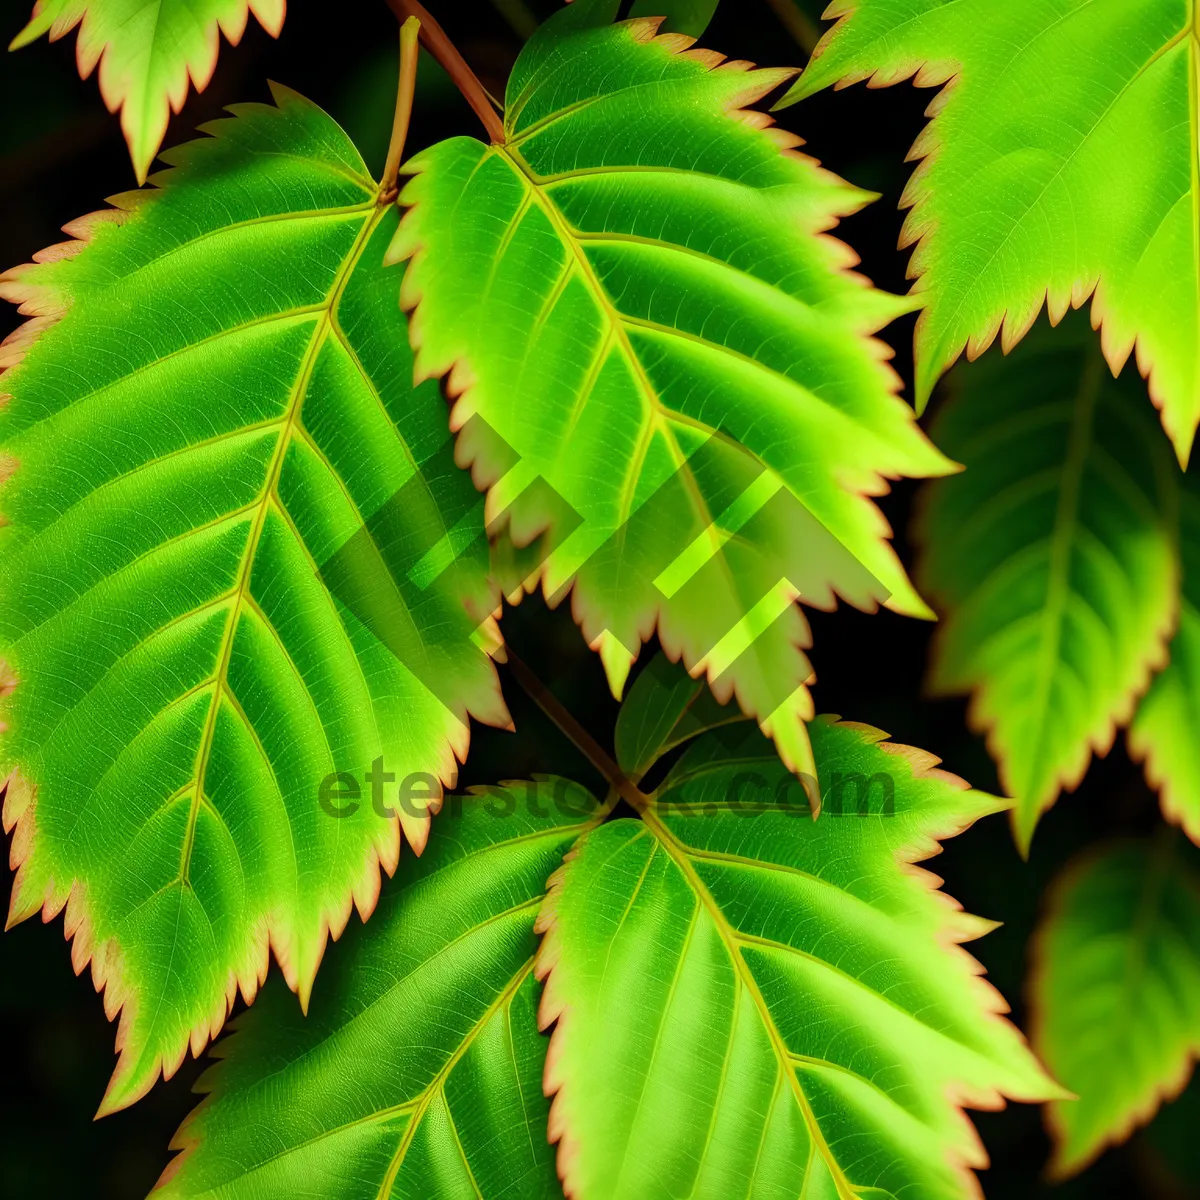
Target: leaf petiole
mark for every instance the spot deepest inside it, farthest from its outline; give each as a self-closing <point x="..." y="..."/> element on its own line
<point x="409" y="33"/>
<point x="434" y="39"/>
<point x="545" y="699"/>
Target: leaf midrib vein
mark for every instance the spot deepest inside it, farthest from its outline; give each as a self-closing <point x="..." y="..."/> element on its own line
<point x="679" y="854"/>
<point x="438" y="1083"/>
<point x="766" y="943"/>
<point x="242" y="590"/>
<point x="1065" y="521"/>
<point x="773" y="944"/>
<point x="418" y="1104"/>
<point x="94" y="790"/>
<point x="657" y="412"/>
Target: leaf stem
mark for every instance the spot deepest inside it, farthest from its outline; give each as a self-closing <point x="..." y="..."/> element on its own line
<point x="434" y="39"/>
<point x="545" y="699"/>
<point x="409" y="33"/>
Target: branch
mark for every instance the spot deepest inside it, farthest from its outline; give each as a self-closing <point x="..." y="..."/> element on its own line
<point x="541" y="695"/>
<point x="434" y="39"/>
<point x="409" y="33"/>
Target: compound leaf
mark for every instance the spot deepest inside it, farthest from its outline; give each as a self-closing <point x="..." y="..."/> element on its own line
<point x="418" y="1072"/>
<point x="1060" y="165"/>
<point x="215" y="395"/>
<point x="148" y="51"/>
<point x="1164" y="730"/>
<point x="750" y="1002"/>
<point x="637" y="293"/>
<point x="1116" y="992"/>
<point x="1054" y="558"/>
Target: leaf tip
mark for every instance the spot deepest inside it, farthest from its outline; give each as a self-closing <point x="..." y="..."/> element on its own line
<point x="617" y="661"/>
<point x="1023" y="828"/>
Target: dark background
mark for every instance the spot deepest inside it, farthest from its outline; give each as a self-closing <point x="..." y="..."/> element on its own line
<point x="61" y="154"/>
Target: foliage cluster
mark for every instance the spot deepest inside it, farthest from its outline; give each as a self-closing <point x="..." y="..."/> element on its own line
<point x="284" y="444"/>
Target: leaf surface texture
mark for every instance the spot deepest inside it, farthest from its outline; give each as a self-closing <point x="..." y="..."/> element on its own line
<point x="417" y="1074"/>
<point x="638" y="295"/>
<point x="753" y="1003"/>
<point x="1053" y="558"/>
<point x="1061" y="162"/>
<point x="1116" y="991"/>
<point x="219" y="398"/>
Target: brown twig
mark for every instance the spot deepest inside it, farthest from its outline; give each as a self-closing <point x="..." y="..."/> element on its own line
<point x="434" y="39"/>
<point x="587" y="745"/>
<point x="409" y="32"/>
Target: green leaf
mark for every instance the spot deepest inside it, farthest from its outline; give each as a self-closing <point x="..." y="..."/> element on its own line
<point x="638" y="294"/>
<point x="1116" y="991"/>
<point x="665" y="708"/>
<point x="1060" y="164"/>
<point x="689" y="17"/>
<point x="218" y="399"/>
<point x="1053" y="557"/>
<point x="418" y="1072"/>
<point x="148" y="51"/>
<point x="753" y="1003"/>
<point x="1164" y="731"/>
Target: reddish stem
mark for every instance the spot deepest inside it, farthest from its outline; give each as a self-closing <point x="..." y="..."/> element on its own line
<point x="545" y="699"/>
<point x="409" y="32"/>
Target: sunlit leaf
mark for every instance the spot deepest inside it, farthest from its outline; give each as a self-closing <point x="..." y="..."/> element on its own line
<point x="1116" y="991"/>
<point x="1053" y="558"/>
<point x="1060" y="164"/>
<point x="418" y="1072"/>
<point x="637" y="293"/>
<point x="148" y="51"/>
<point x="215" y="395"/>
<point x="753" y="1003"/>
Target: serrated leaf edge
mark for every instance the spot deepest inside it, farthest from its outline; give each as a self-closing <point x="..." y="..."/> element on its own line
<point x="1100" y="738"/>
<point x="1059" y="1170"/>
<point x="189" y="1137"/>
<point x="556" y="1014"/>
<point x="1145" y="748"/>
<point x="144" y="143"/>
<point x="44" y="307"/>
<point x="458" y="382"/>
<point x="919" y="232"/>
